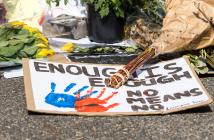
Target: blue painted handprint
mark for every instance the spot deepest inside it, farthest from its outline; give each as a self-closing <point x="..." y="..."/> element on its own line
<point x="66" y="100"/>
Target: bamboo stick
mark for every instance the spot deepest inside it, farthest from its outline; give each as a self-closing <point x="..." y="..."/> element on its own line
<point x="122" y="75"/>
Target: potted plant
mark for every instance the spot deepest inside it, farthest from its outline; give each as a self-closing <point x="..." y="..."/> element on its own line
<point x="106" y="19"/>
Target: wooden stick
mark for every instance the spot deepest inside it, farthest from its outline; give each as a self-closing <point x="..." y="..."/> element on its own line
<point x="121" y="77"/>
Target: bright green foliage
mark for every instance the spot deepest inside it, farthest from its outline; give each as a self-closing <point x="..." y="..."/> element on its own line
<point x="107" y="50"/>
<point x="198" y="64"/>
<point x="208" y="56"/>
<point x="202" y="59"/>
<point x="103" y="6"/>
<point x="57" y="2"/>
<point x="151" y="10"/>
<point x="18" y="41"/>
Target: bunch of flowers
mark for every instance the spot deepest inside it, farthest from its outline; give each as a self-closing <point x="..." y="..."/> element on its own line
<point x="18" y="40"/>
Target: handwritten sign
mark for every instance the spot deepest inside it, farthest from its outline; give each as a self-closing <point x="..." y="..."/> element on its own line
<point x="78" y="88"/>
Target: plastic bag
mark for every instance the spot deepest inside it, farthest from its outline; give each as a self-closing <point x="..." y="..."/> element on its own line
<point x="188" y="25"/>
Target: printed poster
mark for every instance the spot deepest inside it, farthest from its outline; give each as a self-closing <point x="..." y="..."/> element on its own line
<point x="79" y="89"/>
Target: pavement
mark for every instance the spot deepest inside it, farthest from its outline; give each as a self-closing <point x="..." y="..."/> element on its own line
<point x="16" y="123"/>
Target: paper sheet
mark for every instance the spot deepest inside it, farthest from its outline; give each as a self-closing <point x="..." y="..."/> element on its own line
<point x="76" y="88"/>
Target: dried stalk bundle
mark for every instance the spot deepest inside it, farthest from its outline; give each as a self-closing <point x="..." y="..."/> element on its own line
<point x="118" y="79"/>
<point x="188" y="25"/>
<point x="144" y="34"/>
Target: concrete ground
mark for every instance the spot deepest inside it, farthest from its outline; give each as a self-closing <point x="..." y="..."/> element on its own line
<point x="17" y="123"/>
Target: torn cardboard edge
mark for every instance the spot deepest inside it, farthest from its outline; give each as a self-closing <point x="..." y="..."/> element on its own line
<point x="31" y="104"/>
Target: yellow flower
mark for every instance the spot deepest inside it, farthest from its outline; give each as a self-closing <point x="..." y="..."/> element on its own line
<point x="31" y="29"/>
<point x="17" y="24"/>
<point x="45" y="52"/>
<point x="35" y="30"/>
<point x="36" y="33"/>
<point x="69" y="47"/>
<point x="28" y="28"/>
<point x="44" y="40"/>
<point x="41" y="45"/>
<point x="41" y="37"/>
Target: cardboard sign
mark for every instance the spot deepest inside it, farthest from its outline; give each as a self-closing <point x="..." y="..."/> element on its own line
<point x="77" y="88"/>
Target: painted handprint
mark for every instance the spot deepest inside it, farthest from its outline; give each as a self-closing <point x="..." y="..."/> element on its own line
<point x="95" y="104"/>
<point x="79" y="103"/>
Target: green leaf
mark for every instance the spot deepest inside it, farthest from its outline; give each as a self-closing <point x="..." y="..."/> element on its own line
<point x="4" y="36"/>
<point x="65" y="2"/>
<point x="15" y="42"/>
<point x="20" y="37"/>
<point x="2" y="59"/>
<point x="200" y="63"/>
<point x="30" y="51"/>
<point x="23" y="32"/>
<point x="11" y="50"/>
<point x="48" y="2"/>
<point x="2" y="31"/>
<point x="22" y="54"/>
<point x="26" y="40"/>
<point x="4" y="43"/>
<point x="84" y="50"/>
<point x="99" y="4"/>
<point x="202" y="70"/>
<point x="104" y="12"/>
<point x="120" y="12"/>
<point x="130" y="50"/>
<point x="14" y="60"/>
<point x="10" y="35"/>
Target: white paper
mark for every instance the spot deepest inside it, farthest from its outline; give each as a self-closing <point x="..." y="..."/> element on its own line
<point x="18" y="72"/>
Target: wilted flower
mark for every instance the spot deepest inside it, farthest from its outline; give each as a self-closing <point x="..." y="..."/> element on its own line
<point x="69" y="47"/>
<point x="45" y="52"/>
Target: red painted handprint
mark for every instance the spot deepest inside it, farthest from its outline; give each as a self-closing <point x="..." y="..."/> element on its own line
<point x="95" y="104"/>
